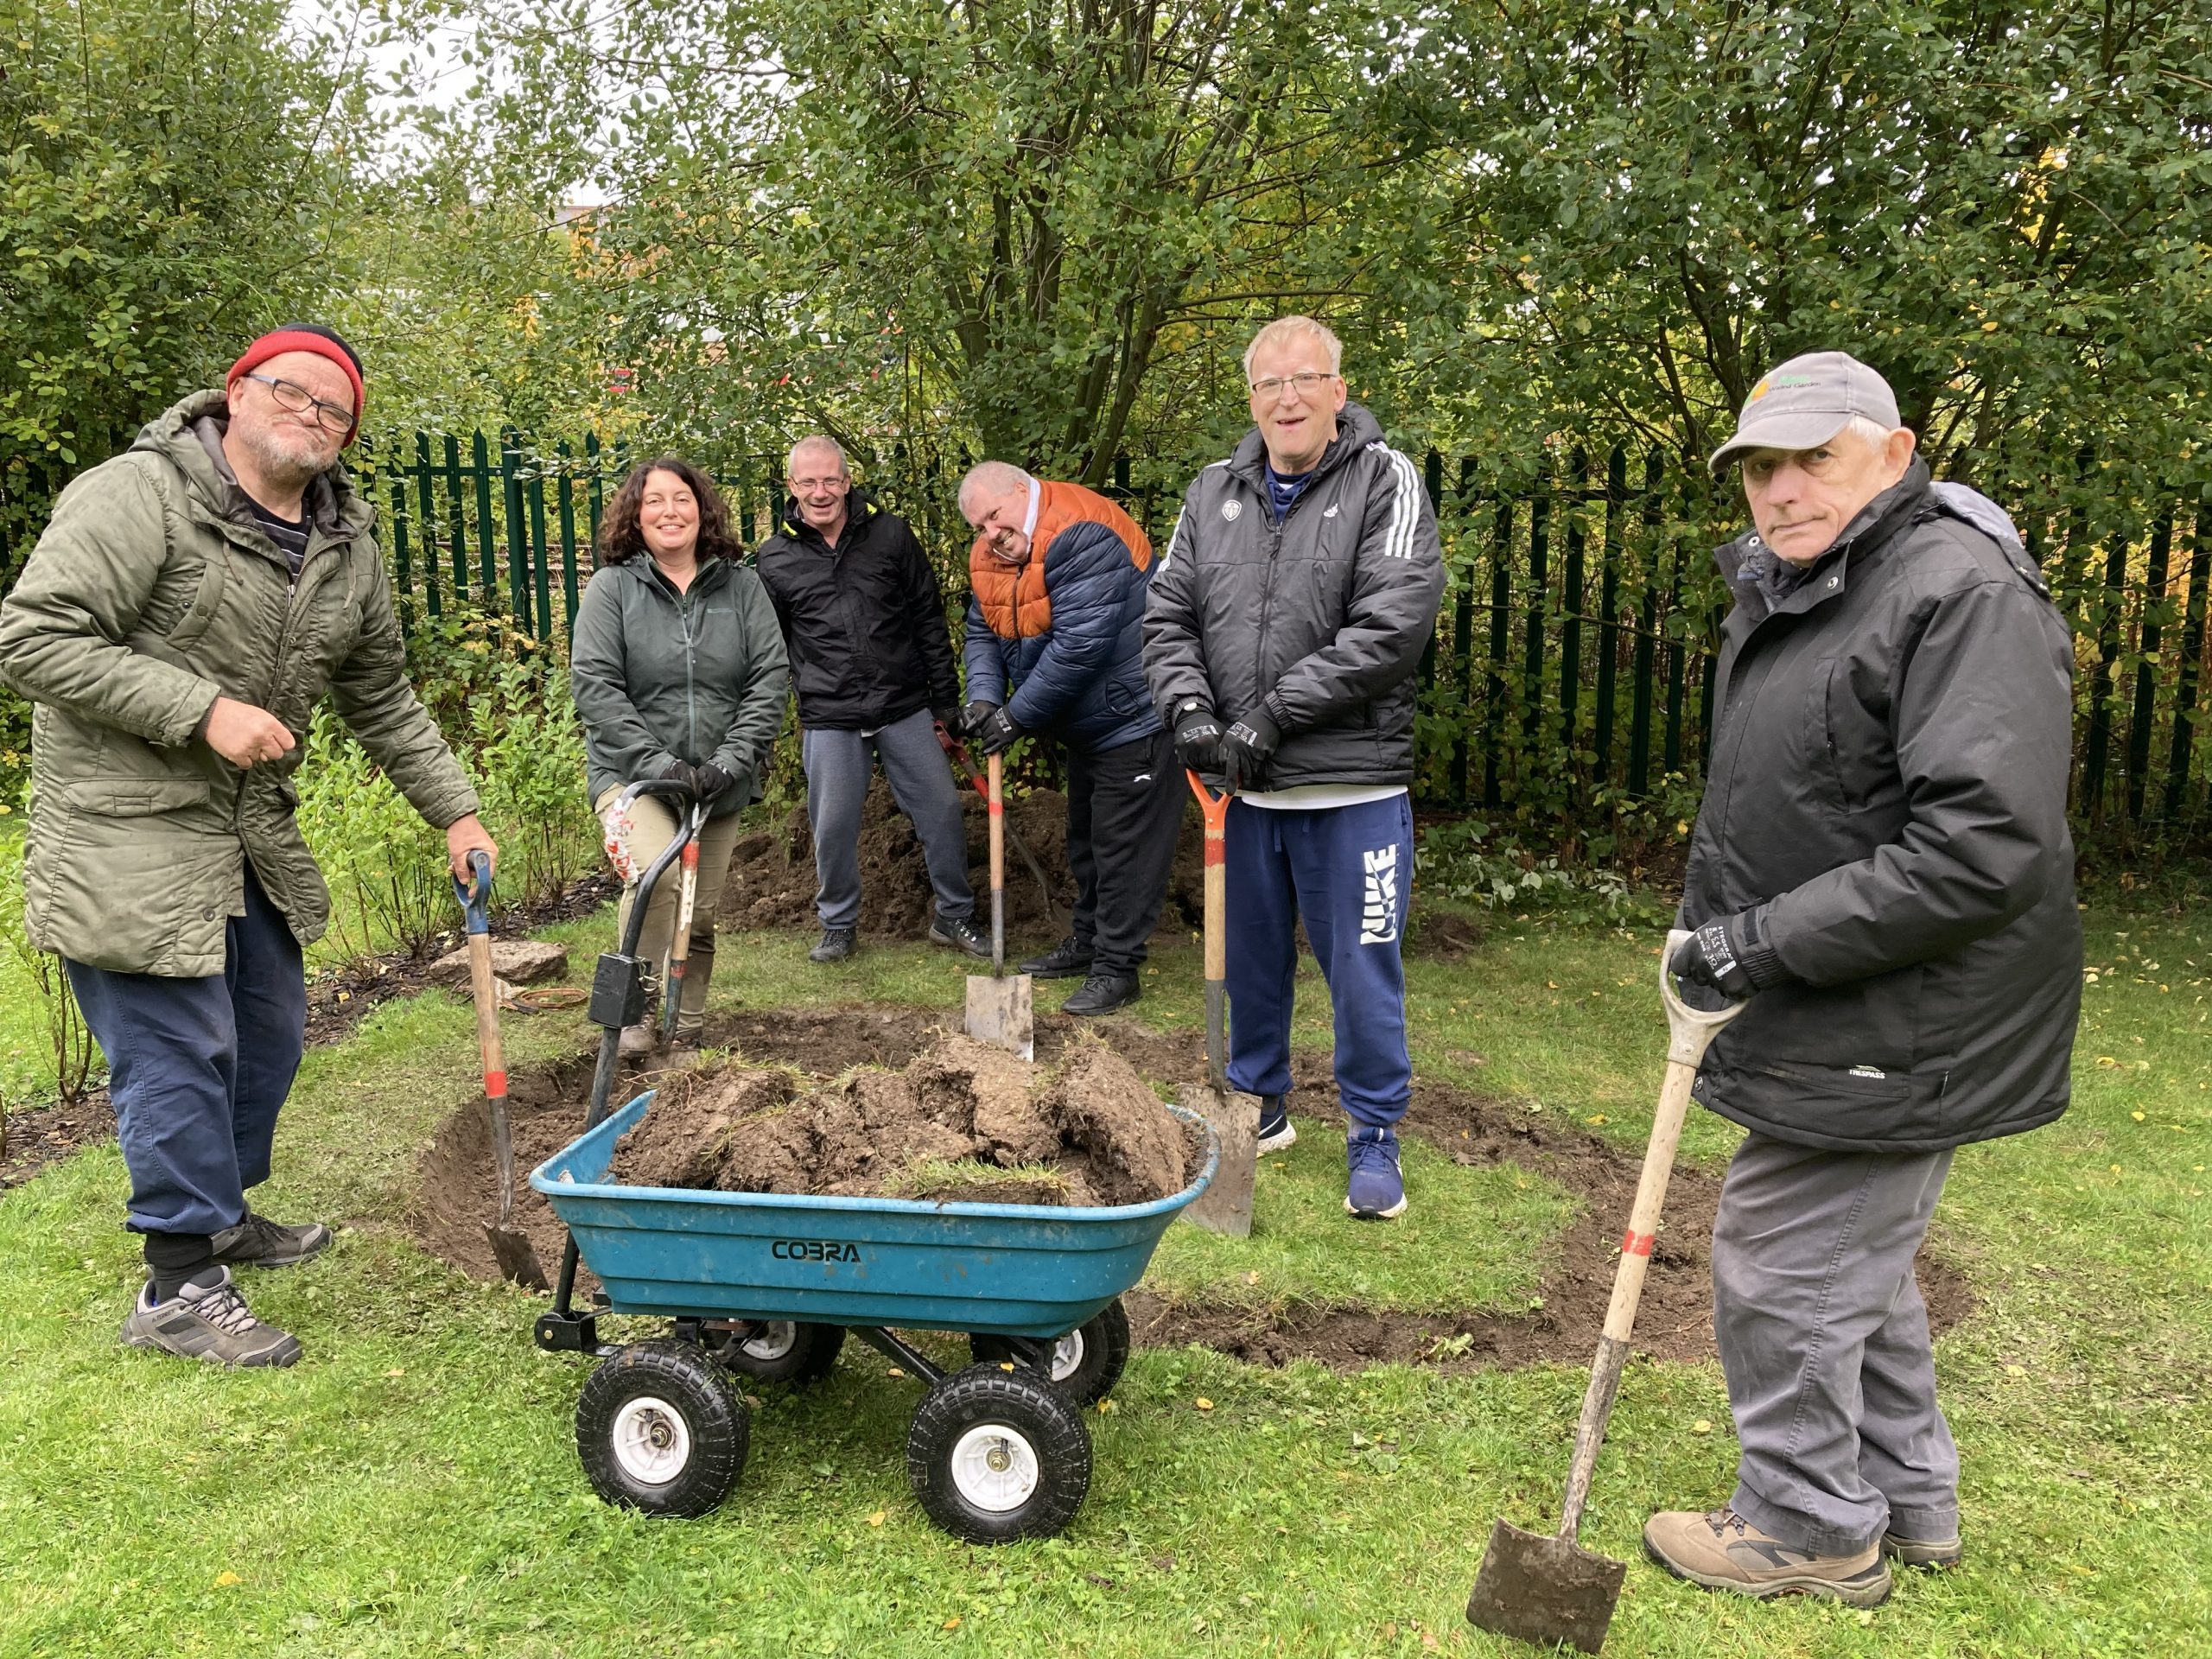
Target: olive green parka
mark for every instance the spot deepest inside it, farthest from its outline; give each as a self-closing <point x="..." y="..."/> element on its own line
<point x="153" y="590"/>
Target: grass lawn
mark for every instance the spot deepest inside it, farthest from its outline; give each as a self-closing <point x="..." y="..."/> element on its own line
<point x="412" y="1487"/>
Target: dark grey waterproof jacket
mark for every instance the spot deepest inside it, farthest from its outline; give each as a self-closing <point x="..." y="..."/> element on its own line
<point x="1887" y="789"/>
<point x="659" y="676"/>
<point x="1320" y="619"/>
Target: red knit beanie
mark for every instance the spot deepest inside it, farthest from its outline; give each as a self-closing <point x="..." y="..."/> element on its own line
<point x="305" y="337"/>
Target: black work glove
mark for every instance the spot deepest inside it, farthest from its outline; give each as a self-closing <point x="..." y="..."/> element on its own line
<point x="1197" y="739"/>
<point x="683" y="773"/>
<point x="713" y="780"/>
<point x="1247" y="747"/>
<point x="995" y="732"/>
<point x="954" y="720"/>
<point x="973" y="717"/>
<point x="1731" y="955"/>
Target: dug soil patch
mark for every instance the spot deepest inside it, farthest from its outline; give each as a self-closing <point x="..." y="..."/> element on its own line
<point x="546" y="1104"/>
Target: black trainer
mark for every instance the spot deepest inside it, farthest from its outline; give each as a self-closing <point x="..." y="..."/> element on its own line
<point x="1276" y="1131"/>
<point x="1102" y="993"/>
<point x="1069" y="959"/>
<point x="257" y="1242"/>
<point x="837" y="943"/>
<point x="963" y="933"/>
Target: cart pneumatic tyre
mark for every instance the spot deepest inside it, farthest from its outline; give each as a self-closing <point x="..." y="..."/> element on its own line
<point x="1086" y="1362"/>
<point x="783" y="1351"/>
<point x="660" y="1428"/>
<point x="997" y="1453"/>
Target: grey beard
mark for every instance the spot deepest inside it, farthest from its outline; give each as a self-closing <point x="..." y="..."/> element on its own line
<point x="280" y="466"/>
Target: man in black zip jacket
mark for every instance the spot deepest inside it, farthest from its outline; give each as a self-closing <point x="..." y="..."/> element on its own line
<point x="1282" y="633"/>
<point x="1882" y="864"/>
<point x="872" y="663"/>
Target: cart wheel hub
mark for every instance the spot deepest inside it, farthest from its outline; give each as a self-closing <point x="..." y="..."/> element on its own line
<point x="994" y="1468"/>
<point x="772" y="1341"/>
<point x="651" y="1441"/>
<point x="1067" y="1356"/>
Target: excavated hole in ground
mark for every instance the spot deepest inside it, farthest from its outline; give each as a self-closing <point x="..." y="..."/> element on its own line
<point x="457" y="1194"/>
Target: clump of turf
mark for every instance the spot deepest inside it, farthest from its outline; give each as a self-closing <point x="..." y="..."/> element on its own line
<point x="970" y="1180"/>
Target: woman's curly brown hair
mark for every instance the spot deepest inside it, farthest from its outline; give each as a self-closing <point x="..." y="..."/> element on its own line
<point x="619" y="537"/>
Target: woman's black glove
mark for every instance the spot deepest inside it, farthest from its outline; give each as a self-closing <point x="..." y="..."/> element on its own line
<point x="713" y="781"/>
<point x="970" y="723"/>
<point x="683" y="773"/>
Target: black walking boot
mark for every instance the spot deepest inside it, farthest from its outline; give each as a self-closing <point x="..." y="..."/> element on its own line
<point x="837" y="943"/>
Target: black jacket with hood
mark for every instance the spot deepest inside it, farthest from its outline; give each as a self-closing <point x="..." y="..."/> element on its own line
<point x="864" y="621"/>
<point x="1884" y="821"/>
<point x="1320" y="619"/>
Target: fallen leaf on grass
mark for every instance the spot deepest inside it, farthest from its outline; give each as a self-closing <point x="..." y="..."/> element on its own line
<point x="952" y="1624"/>
<point x="1205" y="1404"/>
<point x="226" y="1578"/>
<point x="876" y="1520"/>
<point x="2138" y="1117"/>
<point x="2016" y="1370"/>
<point x="1703" y="1425"/>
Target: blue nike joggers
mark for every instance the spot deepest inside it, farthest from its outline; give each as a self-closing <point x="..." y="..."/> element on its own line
<point x="1348" y="871"/>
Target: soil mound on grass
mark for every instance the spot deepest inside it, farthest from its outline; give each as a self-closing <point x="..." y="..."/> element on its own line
<point x="963" y="1120"/>
<point x="458" y="1194"/>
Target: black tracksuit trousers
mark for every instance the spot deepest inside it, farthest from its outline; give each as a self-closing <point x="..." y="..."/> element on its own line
<point x="1125" y="809"/>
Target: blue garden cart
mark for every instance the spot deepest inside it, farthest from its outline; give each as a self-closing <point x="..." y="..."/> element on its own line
<point x="768" y="1285"/>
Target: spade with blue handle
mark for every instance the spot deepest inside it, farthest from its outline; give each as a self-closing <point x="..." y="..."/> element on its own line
<point x="517" y="1255"/>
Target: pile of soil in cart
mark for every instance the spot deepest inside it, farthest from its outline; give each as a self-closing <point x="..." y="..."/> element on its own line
<point x="962" y="1122"/>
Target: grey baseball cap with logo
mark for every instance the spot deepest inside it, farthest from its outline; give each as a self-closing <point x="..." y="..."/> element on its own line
<point x="1802" y="403"/>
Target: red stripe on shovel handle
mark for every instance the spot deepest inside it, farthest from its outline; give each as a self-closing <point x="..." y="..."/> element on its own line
<point x="495" y="1085"/>
<point x="1636" y="1243"/>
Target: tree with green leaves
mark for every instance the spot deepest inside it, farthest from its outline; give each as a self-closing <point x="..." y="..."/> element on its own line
<point x="2005" y="209"/>
<point x="1019" y="221"/>
<point x="171" y="172"/>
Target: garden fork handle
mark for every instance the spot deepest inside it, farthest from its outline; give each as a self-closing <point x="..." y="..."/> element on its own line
<point x="1215" y="808"/>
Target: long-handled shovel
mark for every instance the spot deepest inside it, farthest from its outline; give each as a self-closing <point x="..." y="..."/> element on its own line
<point x="999" y="1009"/>
<point x="517" y="1255"/>
<point x="1226" y="1205"/>
<point x="957" y="752"/>
<point x="679" y="942"/>
<point x="1546" y="1589"/>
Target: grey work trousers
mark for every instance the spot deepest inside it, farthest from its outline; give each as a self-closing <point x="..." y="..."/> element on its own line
<point x="838" y="766"/>
<point x="1824" y="1340"/>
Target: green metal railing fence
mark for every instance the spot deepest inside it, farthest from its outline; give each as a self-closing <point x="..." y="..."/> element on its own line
<point x="1570" y="666"/>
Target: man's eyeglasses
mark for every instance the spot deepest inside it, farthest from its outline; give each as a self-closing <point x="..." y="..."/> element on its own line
<point x="1305" y="384"/>
<point x="332" y="417"/>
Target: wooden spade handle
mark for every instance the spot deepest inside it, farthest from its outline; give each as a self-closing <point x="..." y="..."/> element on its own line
<point x="1689" y="1031"/>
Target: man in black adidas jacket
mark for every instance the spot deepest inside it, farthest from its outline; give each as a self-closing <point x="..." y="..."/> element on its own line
<point x="872" y="663"/>
<point x="1282" y="633"/>
<point x="1882" y="864"/>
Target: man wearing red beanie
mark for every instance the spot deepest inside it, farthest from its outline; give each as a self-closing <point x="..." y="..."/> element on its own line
<point x="189" y="605"/>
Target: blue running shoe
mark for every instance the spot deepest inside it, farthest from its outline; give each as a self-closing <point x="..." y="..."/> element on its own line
<point x="1275" y="1132"/>
<point x="1375" y="1191"/>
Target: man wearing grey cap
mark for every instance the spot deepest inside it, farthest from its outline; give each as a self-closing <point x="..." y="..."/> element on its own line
<point x="1881" y="864"/>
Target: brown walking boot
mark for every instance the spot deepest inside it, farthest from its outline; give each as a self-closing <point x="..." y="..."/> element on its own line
<point x="1722" y="1551"/>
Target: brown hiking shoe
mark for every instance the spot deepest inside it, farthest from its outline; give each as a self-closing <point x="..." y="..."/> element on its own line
<point x="207" y="1322"/>
<point x="1723" y="1551"/>
<point x="1922" y="1552"/>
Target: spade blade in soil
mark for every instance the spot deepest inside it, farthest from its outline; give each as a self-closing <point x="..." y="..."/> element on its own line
<point x="999" y="1012"/>
<point x="1226" y="1204"/>
<point x="518" y="1257"/>
<point x="1543" y="1589"/>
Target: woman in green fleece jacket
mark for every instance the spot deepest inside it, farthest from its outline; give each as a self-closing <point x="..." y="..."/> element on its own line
<point x="678" y="671"/>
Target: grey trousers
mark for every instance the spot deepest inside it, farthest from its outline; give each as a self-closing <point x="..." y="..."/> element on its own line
<point x="838" y="766"/>
<point x="1824" y="1340"/>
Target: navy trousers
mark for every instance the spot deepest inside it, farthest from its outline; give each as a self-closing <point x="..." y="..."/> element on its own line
<point x="1348" y="871"/>
<point x="198" y="1068"/>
